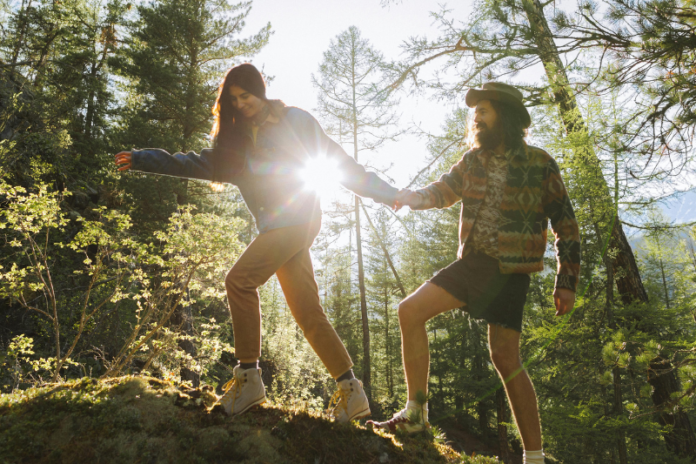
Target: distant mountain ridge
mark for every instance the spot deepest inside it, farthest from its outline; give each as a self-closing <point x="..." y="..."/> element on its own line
<point x="682" y="209"/>
<point x="679" y="210"/>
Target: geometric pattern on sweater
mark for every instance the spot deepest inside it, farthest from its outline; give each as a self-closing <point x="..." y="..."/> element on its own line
<point x="484" y="235"/>
<point x="534" y="193"/>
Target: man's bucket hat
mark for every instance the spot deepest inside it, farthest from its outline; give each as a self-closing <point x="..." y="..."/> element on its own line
<point x="500" y="92"/>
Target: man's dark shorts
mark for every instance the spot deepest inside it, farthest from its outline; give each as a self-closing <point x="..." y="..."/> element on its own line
<point x="476" y="280"/>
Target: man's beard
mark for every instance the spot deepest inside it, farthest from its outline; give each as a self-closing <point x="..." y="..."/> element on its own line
<point x="488" y="138"/>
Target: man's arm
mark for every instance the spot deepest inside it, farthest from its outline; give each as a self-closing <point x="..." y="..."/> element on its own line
<point x="444" y="192"/>
<point x="559" y="209"/>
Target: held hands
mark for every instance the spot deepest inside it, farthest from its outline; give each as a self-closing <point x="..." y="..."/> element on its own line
<point x="406" y="197"/>
<point x="124" y="160"/>
<point x="564" y="300"/>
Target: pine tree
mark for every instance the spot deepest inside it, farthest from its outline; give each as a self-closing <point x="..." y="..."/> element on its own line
<point x="384" y="291"/>
<point x="176" y="54"/>
<point x="353" y="104"/>
<point x="655" y="71"/>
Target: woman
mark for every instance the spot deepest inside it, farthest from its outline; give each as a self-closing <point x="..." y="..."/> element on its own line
<point x="261" y="146"/>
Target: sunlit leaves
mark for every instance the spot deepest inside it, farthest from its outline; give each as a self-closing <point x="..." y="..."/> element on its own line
<point x="192" y="255"/>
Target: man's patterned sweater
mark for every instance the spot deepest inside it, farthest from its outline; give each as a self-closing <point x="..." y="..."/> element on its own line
<point x="534" y="193"/>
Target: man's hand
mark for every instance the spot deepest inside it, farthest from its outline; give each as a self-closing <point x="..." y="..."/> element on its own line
<point x="124" y="160"/>
<point x="564" y="300"/>
<point x="407" y="197"/>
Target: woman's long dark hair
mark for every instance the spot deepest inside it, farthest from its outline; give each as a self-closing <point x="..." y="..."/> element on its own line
<point x="228" y="135"/>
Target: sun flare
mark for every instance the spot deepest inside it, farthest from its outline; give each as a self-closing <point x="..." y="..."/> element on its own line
<point x="321" y="175"/>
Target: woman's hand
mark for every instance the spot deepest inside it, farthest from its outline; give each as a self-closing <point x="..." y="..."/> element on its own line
<point x="406" y="197"/>
<point x="124" y="160"/>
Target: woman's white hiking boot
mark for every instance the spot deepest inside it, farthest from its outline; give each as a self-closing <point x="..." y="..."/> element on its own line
<point x="244" y="391"/>
<point x="349" y="403"/>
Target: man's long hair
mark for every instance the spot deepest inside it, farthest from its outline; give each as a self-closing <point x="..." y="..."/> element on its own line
<point x="227" y="133"/>
<point x="511" y="124"/>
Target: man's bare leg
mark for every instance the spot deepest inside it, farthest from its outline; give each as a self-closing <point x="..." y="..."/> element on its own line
<point x="505" y="353"/>
<point x="419" y="307"/>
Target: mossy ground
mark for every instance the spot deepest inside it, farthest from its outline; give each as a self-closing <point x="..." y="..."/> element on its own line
<point x="144" y="420"/>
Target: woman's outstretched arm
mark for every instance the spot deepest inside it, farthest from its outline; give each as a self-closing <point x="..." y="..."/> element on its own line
<point x="190" y="165"/>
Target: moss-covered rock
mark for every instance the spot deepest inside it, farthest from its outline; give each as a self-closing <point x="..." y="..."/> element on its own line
<point x="144" y="420"/>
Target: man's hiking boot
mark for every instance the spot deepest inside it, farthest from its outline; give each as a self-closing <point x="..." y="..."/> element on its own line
<point x="349" y="402"/>
<point x="243" y="391"/>
<point x="406" y="420"/>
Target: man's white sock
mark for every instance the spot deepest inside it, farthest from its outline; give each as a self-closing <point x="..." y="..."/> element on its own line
<point x="534" y="457"/>
<point x="413" y="405"/>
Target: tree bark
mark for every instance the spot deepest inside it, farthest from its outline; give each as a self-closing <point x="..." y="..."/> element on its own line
<point x="629" y="282"/>
<point x="367" y="373"/>
<point x="502" y="428"/>
<point x="483" y="419"/>
<point x="91" y="103"/>
<point x="681" y="440"/>
<point x="367" y="369"/>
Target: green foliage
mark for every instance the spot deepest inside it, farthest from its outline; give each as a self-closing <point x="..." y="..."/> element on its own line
<point x="17" y="360"/>
<point x="175" y="55"/>
<point x="112" y="265"/>
<point x="196" y="250"/>
<point x="193" y="255"/>
<point x="351" y="99"/>
<point x="656" y="69"/>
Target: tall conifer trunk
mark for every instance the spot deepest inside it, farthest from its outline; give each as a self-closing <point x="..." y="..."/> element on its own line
<point x="367" y="374"/>
<point x="92" y="97"/>
<point x="351" y="97"/>
<point x="502" y="418"/>
<point x="367" y="370"/>
<point x="629" y="282"/>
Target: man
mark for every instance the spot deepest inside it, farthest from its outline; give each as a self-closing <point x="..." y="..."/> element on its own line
<point x="509" y="191"/>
